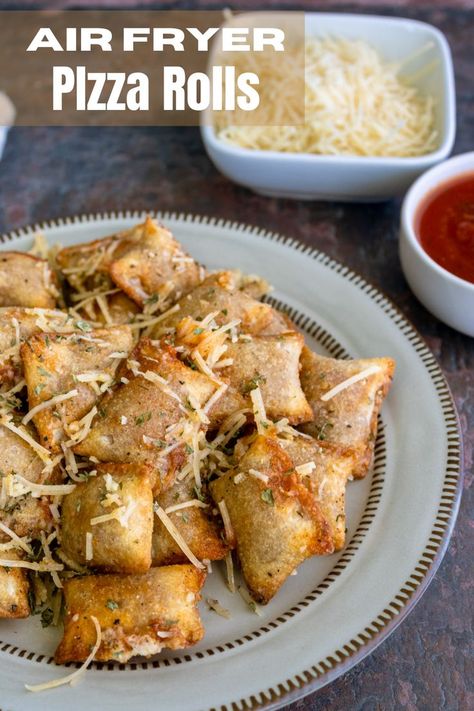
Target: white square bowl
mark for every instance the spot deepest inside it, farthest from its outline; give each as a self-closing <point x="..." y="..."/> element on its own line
<point x="308" y="176"/>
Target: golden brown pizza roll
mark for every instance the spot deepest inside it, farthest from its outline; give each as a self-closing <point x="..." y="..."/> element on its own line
<point x="13" y="589"/>
<point x="107" y="521"/>
<point x="226" y="305"/>
<point x="24" y="515"/>
<point x="137" y="614"/>
<point x="27" y="281"/>
<point x="16" y="326"/>
<point x="346" y="397"/>
<point x="324" y="469"/>
<point x="152" y="265"/>
<point x="272" y="364"/>
<point x="275" y="519"/>
<point x="194" y="523"/>
<point x="85" y="266"/>
<point x="65" y="375"/>
<point x="136" y="418"/>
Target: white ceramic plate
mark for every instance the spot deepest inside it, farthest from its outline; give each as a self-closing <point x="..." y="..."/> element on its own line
<point x="337" y="609"/>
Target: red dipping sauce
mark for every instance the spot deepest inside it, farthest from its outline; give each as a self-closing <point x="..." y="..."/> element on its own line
<point x="445" y="226"/>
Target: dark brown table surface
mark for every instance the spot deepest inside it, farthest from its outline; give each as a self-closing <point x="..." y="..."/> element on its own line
<point x="48" y="172"/>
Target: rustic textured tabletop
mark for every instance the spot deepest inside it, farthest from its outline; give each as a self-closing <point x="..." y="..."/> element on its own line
<point x="49" y="172"/>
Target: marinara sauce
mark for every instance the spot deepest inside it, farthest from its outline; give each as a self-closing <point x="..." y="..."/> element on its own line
<point x="445" y="226"/>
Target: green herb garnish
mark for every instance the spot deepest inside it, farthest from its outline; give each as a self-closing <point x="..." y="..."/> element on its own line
<point x="322" y="434"/>
<point x="141" y="419"/>
<point x="83" y="326"/>
<point x="253" y="383"/>
<point x="267" y="496"/>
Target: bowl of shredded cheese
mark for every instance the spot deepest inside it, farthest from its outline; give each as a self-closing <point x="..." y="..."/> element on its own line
<point x="379" y="110"/>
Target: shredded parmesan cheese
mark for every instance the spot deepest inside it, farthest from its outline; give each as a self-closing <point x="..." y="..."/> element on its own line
<point x="49" y="403"/>
<point x="19" y="542"/>
<point x="355" y="103"/>
<point x="42" y="452"/>
<point x="305" y="469"/>
<point x="44" y="566"/>
<point x="18" y="486"/>
<point x="89" y="548"/>
<point x="216" y="607"/>
<point x="229" y="531"/>
<point x="259" y="411"/>
<point x="245" y="595"/>
<point x="371" y="370"/>
<point x="114" y="515"/>
<point x="229" y="564"/>
<point x="214" y="398"/>
<point x="186" y="505"/>
<point x="259" y="475"/>
<point x="177" y="537"/>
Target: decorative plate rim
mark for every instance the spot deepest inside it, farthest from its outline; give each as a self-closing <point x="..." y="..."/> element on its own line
<point x="365" y="642"/>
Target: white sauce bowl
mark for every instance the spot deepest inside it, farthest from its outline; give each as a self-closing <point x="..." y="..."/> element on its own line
<point x="447" y="296"/>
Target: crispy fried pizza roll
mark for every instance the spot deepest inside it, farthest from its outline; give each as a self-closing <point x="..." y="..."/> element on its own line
<point x="137" y="417"/>
<point x="346" y="397"/>
<point x="107" y="521"/>
<point x="151" y="265"/>
<point x="85" y="266"/>
<point x="16" y="326"/>
<point x="27" y="281"/>
<point x="324" y="469"/>
<point x="273" y="516"/>
<point x="192" y="518"/>
<point x="225" y="304"/>
<point x="24" y="514"/>
<point x="271" y="363"/>
<point x="13" y="589"/>
<point x="65" y="375"/>
<point x="137" y="614"/>
<point x="145" y="261"/>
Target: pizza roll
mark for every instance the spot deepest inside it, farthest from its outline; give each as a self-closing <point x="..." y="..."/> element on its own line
<point x="226" y="305"/>
<point x="13" y="589"/>
<point x="272" y="364"/>
<point x="16" y="326"/>
<point x="194" y="523"/>
<point x="137" y="614"/>
<point x="115" y="507"/>
<point x="324" y="469"/>
<point x="275" y="519"/>
<point x="27" y="281"/>
<point x="24" y="515"/>
<point x="153" y="268"/>
<point x="348" y="416"/>
<point x="65" y="375"/>
<point x="136" y="418"/>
